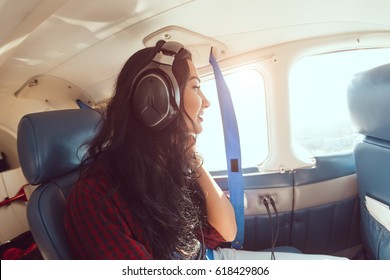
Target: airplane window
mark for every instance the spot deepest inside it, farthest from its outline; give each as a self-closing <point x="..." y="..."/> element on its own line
<point x="318" y="88"/>
<point x="248" y="96"/>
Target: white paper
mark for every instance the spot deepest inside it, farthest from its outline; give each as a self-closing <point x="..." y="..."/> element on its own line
<point x="379" y="211"/>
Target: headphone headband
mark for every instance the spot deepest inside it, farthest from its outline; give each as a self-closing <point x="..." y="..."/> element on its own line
<point x="167" y="53"/>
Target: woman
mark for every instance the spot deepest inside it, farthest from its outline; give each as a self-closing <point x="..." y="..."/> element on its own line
<point x="144" y="193"/>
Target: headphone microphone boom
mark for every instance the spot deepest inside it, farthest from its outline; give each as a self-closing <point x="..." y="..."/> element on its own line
<point x="156" y="94"/>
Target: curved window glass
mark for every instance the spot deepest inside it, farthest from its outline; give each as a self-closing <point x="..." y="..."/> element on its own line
<point x="248" y="96"/>
<point x="318" y="88"/>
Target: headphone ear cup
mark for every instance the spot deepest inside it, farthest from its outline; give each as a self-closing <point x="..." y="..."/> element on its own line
<point x="155" y="92"/>
<point x="152" y="101"/>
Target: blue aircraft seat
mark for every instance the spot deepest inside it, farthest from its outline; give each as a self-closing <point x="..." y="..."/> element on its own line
<point x="369" y="106"/>
<point x="50" y="147"/>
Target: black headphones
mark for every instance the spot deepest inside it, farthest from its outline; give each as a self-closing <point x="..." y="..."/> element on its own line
<point x="156" y="94"/>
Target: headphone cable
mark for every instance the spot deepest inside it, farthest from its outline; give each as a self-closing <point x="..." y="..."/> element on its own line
<point x="265" y="202"/>
<point x="273" y="204"/>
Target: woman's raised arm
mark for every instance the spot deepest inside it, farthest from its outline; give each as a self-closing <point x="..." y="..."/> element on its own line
<point x="220" y="212"/>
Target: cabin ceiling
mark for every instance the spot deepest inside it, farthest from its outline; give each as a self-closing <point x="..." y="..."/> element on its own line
<point x="86" y="42"/>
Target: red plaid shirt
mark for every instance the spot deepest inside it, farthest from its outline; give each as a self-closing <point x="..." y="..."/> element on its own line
<point x="101" y="226"/>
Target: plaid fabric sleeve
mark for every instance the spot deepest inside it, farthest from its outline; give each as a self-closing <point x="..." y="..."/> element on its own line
<point x="96" y="228"/>
<point x="212" y="237"/>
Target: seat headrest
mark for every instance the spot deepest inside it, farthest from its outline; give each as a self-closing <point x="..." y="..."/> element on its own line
<point x="369" y="102"/>
<point x="51" y="144"/>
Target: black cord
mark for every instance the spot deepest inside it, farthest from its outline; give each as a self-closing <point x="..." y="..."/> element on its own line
<point x="272" y="201"/>
<point x="202" y="251"/>
<point x="265" y="201"/>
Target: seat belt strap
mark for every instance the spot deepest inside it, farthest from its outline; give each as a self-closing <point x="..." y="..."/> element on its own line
<point x="233" y="152"/>
<point x="82" y="105"/>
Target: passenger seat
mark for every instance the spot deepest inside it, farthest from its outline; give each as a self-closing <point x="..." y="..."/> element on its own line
<point x="369" y="106"/>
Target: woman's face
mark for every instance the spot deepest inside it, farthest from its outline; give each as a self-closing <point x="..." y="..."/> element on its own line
<point x="194" y="101"/>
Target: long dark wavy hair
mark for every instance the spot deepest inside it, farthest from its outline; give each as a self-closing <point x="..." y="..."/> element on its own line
<point x="155" y="172"/>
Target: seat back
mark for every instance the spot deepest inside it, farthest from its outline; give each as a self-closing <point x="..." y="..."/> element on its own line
<point x="369" y="105"/>
<point x="50" y="148"/>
